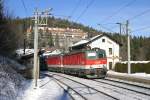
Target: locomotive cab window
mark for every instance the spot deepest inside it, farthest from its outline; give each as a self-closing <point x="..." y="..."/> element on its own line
<point x="91" y="55"/>
<point x="95" y="54"/>
<point x="101" y="54"/>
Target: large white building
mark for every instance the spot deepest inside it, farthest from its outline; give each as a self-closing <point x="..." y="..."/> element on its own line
<point x="103" y="42"/>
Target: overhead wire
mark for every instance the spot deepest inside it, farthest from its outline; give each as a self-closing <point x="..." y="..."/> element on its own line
<point x="86" y="8"/>
<point x="72" y="12"/>
<point x="26" y="11"/>
<point x="139" y="29"/>
<point x="140" y="14"/>
<point x="119" y="10"/>
<point x="64" y="16"/>
<point x="25" y="25"/>
<point x="74" y="9"/>
<point x="110" y="30"/>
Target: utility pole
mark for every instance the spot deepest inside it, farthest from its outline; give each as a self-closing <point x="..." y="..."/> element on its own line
<point x="24" y="40"/>
<point x="24" y="44"/>
<point x="124" y="28"/>
<point x="127" y="32"/>
<point x="35" y="46"/>
<point x="40" y="20"/>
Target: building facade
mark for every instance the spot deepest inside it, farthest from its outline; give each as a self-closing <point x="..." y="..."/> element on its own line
<point x="61" y="37"/>
<point x="103" y="42"/>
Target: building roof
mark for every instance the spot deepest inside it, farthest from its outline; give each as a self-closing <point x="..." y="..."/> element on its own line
<point x="84" y="42"/>
<point x="80" y="42"/>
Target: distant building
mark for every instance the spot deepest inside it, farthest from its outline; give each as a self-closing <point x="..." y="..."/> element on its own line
<point x="103" y="42"/>
<point x="61" y="37"/>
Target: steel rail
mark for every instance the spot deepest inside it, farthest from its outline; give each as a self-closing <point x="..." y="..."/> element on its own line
<point x="122" y="87"/>
<point x="67" y="86"/>
<point x="64" y="89"/>
<point x="127" y="83"/>
<point x="88" y="86"/>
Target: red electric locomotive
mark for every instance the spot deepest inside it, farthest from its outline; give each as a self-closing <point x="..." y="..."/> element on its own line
<point x="88" y="63"/>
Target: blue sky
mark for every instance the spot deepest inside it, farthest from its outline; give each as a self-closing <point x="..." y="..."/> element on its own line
<point x="98" y="12"/>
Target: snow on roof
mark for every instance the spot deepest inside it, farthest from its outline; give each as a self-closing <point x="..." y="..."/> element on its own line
<point x="95" y="37"/>
<point x="80" y="42"/>
<point x="27" y="51"/>
<point x="86" y="40"/>
<point x="55" y="52"/>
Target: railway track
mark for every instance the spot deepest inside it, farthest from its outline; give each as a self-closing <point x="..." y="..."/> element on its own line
<point x="111" y="89"/>
<point x="127" y="86"/>
<point x="69" y="89"/>
<point x="65" y="87"/>
<point x="82" y="94"/>
<point x="128" y="83"/>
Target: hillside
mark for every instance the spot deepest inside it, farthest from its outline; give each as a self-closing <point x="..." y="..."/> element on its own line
<point x="140" y="46"/>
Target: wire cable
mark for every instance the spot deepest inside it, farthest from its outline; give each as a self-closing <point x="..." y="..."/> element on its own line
<point x="75" y="8"/>
<point x="139" y="29"/>
<point x="26" y="11"/>
<point x="83" y="12"/>
<point x="110" y="30"/>
<point x="140" y="14"/>
<point x="119" y="10"/>
<point x="57" y="15"/>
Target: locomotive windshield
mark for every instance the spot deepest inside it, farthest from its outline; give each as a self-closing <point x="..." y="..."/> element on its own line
<point x="95" y="54"/>
<point x="101" y="54"/>
<point x="91" y="55"/>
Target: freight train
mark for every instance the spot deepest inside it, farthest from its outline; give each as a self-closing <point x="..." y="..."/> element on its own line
<point x="85" y="63"/>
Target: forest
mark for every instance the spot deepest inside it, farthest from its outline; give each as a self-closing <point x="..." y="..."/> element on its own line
<point x="140" y="46"/>
<point x="13" y="35"/>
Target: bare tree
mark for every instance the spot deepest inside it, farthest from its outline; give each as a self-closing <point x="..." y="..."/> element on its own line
<point x="8" y="36"/>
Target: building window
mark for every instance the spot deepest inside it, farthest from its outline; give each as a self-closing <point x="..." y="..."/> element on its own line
<point x="110" y="51"/>
<point x="110" y="65"/>
<point x="103" y="40"/>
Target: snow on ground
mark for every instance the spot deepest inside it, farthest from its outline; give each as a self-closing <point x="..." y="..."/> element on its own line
<point x="14" y="87"/>
<point x="47" y="89"/>
<point x="142" y="79"/>
<point x="10" y="80"/>
<point x="134" y="62"/>
<point x="140" y="75"/>
<point x="119" y="93"/>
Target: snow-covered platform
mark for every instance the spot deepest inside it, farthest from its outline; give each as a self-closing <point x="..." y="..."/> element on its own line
<point x="47" y="89"/>
<point x="136" y="77"/>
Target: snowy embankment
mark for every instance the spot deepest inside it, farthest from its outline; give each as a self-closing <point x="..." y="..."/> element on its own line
<point x="135" y="77"/>
<point x="47" y="89"/>
<point x="10" y="80"/>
